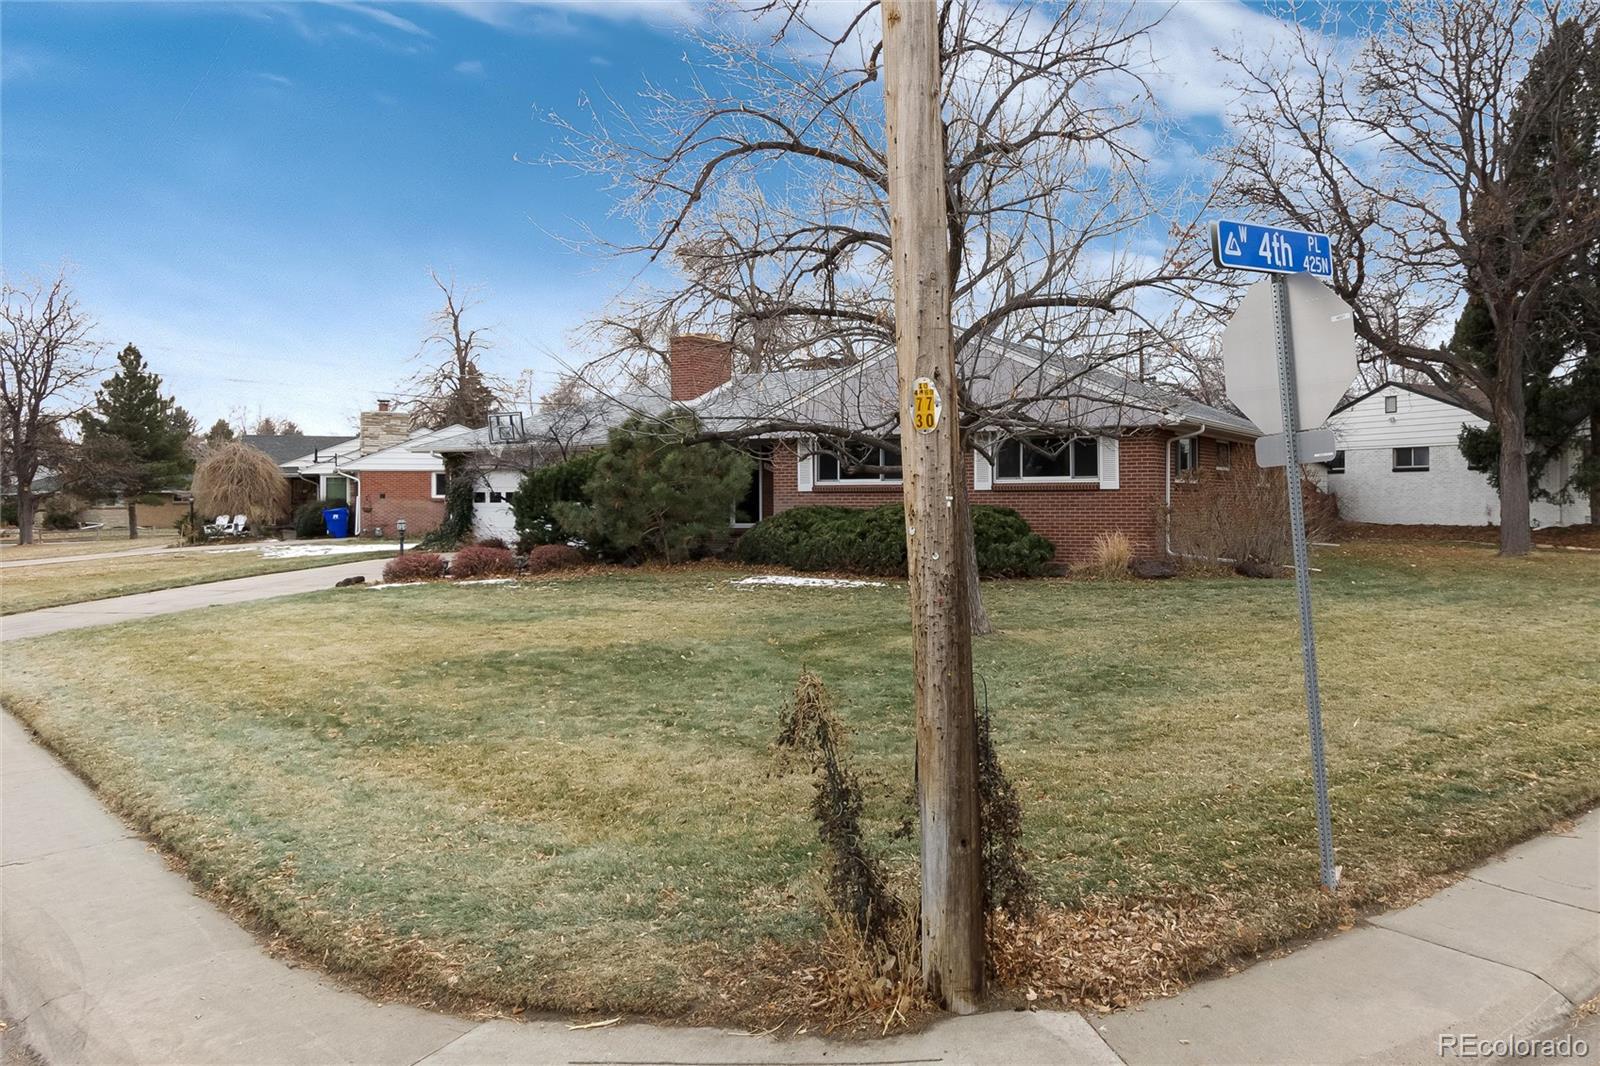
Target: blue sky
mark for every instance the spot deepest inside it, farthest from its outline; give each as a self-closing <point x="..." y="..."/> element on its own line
<point x="255" y="193"/>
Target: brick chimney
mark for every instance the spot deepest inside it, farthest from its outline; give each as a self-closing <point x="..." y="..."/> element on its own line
<point x="698" y="364"/>
<point x="383" y="428"/>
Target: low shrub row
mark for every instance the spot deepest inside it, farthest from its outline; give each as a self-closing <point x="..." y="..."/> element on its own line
<point x="481" y="560"/>
<point x="873" y="541"/>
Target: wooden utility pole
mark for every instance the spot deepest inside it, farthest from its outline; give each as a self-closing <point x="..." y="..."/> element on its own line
<point x="936" y="502"/>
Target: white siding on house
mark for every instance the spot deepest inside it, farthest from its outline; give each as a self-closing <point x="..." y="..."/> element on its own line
<point x="1447" y="493"/>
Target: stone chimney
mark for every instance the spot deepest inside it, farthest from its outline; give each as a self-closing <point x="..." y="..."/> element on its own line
<point x="698" y="364"/>
<point x="383" y="428"/>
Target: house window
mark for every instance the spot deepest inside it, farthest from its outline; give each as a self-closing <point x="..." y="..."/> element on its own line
<point x="857" y="463"/>
<point x="1048" y="459"/>
<point x="1391" y="404"/>
<point x="496" y="497"/>
<point x="439" y="485"/>
<point x="1188" y="458"/>
<point x="336" y="489"/>
<point x="1224" y="455"/>
<point x="1410" y="459"/>
<point x="480" y="497"/>
<point x="1336" y="464"/>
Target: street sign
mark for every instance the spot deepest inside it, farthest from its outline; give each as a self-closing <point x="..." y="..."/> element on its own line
<point x="1314" y="446"/>
<point x="1271" y="249"/>
<point x="1323" y="341"/>
<point x="1292" y="341"/>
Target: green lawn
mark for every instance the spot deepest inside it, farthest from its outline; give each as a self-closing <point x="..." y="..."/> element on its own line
<point x="28" y="588"/>
<point x="561" y="794"/>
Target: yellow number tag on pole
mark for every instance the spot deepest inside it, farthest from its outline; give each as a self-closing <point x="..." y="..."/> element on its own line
<point x="924" y="406"/>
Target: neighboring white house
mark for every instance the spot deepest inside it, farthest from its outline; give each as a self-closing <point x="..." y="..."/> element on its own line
<point x="1399" y="463"/>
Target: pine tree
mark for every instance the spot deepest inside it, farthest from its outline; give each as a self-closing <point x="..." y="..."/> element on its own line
<point x="219" y="433"/>
<point x="150" y="430"/>
<point x="1557" y="162"/>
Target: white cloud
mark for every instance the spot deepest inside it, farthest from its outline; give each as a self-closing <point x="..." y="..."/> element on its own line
<point x="554" y="16"/>
<point x="275" y="79"/>
<point x="472" y="68"/>
<point x="380" y="15"/>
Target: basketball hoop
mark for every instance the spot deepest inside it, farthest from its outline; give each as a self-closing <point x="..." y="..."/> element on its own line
<point x="507" y="427"/>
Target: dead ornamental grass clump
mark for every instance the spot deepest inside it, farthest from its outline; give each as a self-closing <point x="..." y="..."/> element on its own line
<point x="1110" y="557"/>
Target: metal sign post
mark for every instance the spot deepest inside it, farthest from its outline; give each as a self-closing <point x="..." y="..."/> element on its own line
<point x="1302" y="576"/>
<point x="1289" y="393"/>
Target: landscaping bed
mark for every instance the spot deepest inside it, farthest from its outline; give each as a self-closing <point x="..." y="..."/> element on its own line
<point x="563" y="794"/>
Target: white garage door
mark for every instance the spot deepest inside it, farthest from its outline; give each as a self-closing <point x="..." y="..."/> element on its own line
<point x="491" y="505"/>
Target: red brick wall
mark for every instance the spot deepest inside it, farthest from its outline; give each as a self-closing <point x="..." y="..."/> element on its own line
<point x="698" y="364"/>
<point x="1069" y="516"/>
<point x="390" y="494"/>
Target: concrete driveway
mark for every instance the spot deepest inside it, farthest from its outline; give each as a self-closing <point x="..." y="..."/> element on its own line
<point x="187" y="598"/>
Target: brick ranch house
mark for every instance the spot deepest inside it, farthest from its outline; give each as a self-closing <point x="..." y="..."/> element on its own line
<point x="383" y="473"/>
<point x="1132" y="449"/>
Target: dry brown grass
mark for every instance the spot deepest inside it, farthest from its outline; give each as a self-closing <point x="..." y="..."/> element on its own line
<point x="1110" y="556"/>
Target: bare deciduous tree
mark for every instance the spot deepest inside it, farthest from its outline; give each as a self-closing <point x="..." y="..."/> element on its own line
<point x="47" y="361"/>
<point x="765" y="185"/>
<point x="1407" y="152"/>
<point x="452" y="388"/>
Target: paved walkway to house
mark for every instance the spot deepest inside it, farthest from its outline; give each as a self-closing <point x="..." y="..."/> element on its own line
<point x="188" y="597"/>
<point x="110" y="957"/>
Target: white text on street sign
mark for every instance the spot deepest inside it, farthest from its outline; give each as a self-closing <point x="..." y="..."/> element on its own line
<point x="1271" y="249"/>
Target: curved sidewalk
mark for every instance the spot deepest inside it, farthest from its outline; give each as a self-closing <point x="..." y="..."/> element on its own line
<point x="108" y="956"/>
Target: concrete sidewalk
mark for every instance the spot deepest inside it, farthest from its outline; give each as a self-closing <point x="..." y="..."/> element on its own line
<point x="185" y="598"/>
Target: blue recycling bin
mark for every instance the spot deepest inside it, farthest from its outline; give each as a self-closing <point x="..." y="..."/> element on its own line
<point x="337" y="519"/>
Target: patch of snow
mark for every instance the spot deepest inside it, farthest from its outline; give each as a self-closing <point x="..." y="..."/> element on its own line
<point x="487" y="581"/>
<point x="807" y="582"/>
<point x="311" y="549"/>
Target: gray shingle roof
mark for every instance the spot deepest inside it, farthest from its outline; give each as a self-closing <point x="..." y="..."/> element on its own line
<point x="283" y="447"/>
<point x="1025" y="385"/>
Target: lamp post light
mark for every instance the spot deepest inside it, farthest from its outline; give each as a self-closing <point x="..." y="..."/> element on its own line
<point x="400" y="528"/>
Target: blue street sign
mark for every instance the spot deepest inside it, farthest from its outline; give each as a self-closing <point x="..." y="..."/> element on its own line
<point x="1271" y="249"/>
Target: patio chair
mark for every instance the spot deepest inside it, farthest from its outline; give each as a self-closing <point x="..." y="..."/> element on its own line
<point x="218" y="528"/>
<point x="239" y="523"/>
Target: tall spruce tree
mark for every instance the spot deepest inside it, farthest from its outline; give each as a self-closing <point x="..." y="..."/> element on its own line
<point x="151" y="433"/>
<point x="1558" y="164"/>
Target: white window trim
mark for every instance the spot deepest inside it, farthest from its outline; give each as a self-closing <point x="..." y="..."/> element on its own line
<point x="851" y="483"/>
<point x="1179" y="474"/>
<point x="1394" y="460"/>
<point x="433" y="485"/>
<point x="1075" y="479"/>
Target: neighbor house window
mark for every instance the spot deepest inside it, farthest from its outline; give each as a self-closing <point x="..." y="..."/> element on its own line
<point x="1048" y="459"/>
<point x="857" y="463"/>
<point x="1391" y="404"/>
<point x="1224" y="455"/>
<point x="1409" y="459"/>
<point x="1188" y="458"/>
<point x="439" y="485"/>
<point x="1336" y="464"/>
